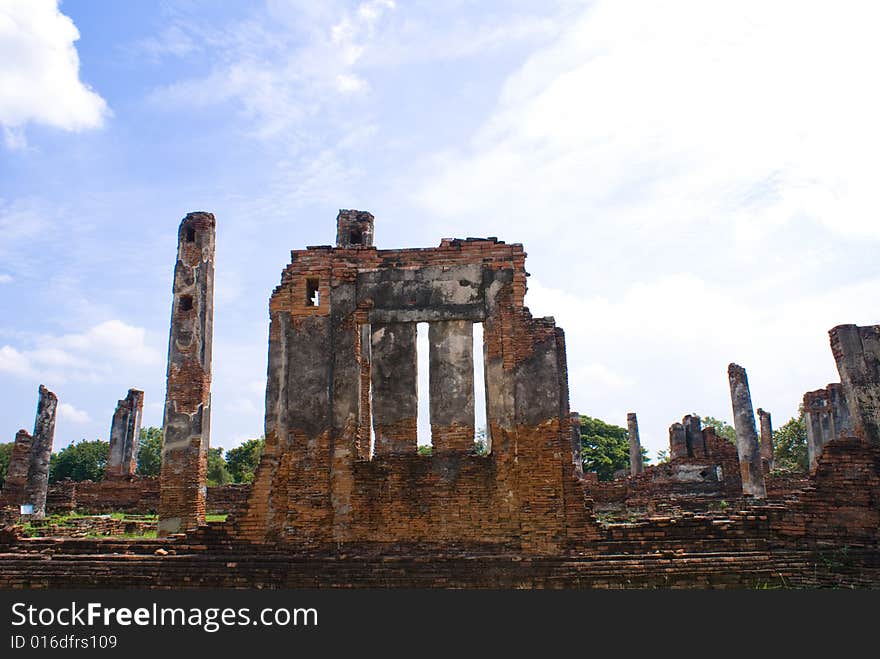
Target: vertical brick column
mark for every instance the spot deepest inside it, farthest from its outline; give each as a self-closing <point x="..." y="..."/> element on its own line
<point x="694" y="436"/>
<point x="451" y="376"/>
<point x="766" y="440"/>
<point x="125" y="430"/>
<point x="636" y="466"/>
<point x="187" y="422"/>
<point x="395" y="388"/>
<point x="857" y="353"/>
<point x="41" y="452"/>
<point x="841" y="423"/>
<point x="15" y="485"/>
<point x="365" y="422"/>
<point x="748" y="447"/>
<point x="677" y="442"/>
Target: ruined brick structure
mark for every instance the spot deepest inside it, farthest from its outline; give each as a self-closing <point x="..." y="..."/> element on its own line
<point x="826" y="416"/>
<point x="317" y="484"/>
<point x="125" y="431"/>
<point x="857" y="353"/>
<point x="187" y="421"/>
<point x="28" y="474"/>
<point x="748" y="446"/>
<point x="766" y="425"/>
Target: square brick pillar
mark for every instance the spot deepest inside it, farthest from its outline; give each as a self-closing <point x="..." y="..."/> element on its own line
<point x="451" y="378"/>
<point x="395" y="388"/>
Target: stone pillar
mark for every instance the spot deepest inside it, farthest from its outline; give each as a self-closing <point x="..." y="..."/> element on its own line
<point x="748" y="447"/>
<point x="354" y="229"/>
<point x="815" y="420"/>
<point x="694" y="436"/>
<point x="41" y="452"/>
<point x="841" y="423"/>
<point x="857" y="353"/>
<point x="636" y="466"/>
<point x="766" y="440"/>
<point x="576" y="454"/>
<point x="451" y="376"/>
<point x="15" y="485"/>
<point x="187" y="421"/>
<point x="677" y="442"/>
<point x="125" y="432"/>
<point x="395" y="388"/>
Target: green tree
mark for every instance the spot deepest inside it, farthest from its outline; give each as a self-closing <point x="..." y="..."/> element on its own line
<point x="242" y="461"/>
<point x="5" y="457"/>
<point x="218" y="474"/>
<point x="790" y="445"/>
<point x="150" y="452"/>
<point x="722" y="428"/>
<point x="605" y="448"/>
<point x="83" y="461"/>
<point x="425" y="450"/>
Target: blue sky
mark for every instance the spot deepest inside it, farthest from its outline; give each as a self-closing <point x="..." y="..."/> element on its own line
<point x="693" y="182"/>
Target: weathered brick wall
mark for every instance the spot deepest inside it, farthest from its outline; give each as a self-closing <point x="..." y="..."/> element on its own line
<point x="137" y="495"/>
<point x="314" y="486"/>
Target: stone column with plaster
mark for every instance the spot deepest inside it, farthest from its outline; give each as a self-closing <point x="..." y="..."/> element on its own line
<point x="766" y="440"/>
<point x="451" y="378"/>
<point x="636" y="465"/>
<point x="748" y="446"/>
<point x="693" y="432"/>
<point x="41" y="452"/>
<point x="576" y="454"/>
<point x="187" y="421"/>
<point x="677" y="442"/>
<point x="125" y="431"/>
<point x="395" y="388"/>
<point x="857" y="353"/>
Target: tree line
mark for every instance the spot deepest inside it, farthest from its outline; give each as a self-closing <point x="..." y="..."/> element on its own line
<point x="604" y="449"/>
<point x="85" y="460"/>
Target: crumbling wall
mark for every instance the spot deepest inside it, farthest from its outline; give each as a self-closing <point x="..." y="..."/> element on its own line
<point x="315" y="485"/>
<point x="857" y="353"/>
<point x="826" y="416"/>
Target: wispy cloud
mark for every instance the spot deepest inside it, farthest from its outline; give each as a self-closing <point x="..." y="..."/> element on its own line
<point x="90" y="356"/>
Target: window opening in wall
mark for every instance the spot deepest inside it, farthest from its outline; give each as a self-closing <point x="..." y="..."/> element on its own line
<point x="356" y="237"/>
<point x="186" y="302"/>
<point x="190" y="235"/>
<point x="424" y="415"/>
<point x="482" y="444"/>
<point x="313" y="296"/>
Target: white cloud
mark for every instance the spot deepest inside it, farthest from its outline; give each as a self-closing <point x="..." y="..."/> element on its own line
<point x="39" y="72"/>
<point x="14" y="362"/>
<point x="68" y="412"/>
<point x="652" y="116"/>
<point x="5" y="279"/>
<point x="90" y="356"/>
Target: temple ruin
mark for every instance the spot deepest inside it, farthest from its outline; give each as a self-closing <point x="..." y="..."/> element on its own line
<point x="27" y="479"/>
<point x="343" y="497"/>
<point x="344" y="311"/>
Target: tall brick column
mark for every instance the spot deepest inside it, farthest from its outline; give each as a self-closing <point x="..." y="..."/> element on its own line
<point x="693" y="432"/>
<point x="766" y="440"/>
<point x="451" y="376"/>
<point x="41" y="452"/>
<point x="677" y="442"/>
<point x="857" y="353"/>
<point x="187" y="422"/>
<point x="636" y="466"/>
<point x="125" y="430"/>
<point x="395" y="388"/>
<point x="747" y="445"/>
